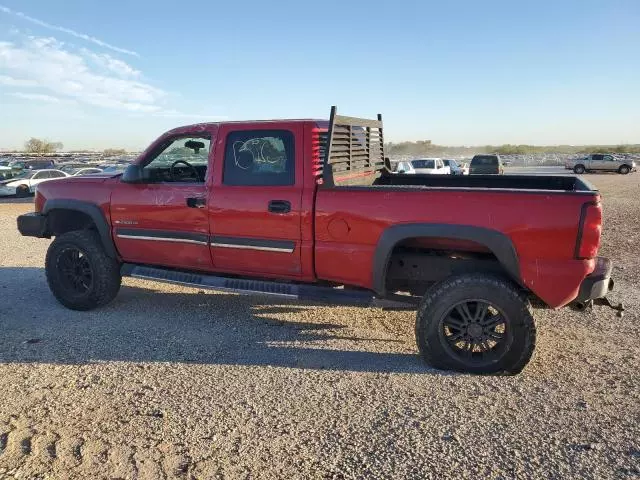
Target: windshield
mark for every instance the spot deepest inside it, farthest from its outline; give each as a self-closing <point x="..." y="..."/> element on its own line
<point x="423" y="164"/>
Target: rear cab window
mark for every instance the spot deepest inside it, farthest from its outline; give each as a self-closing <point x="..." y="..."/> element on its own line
<point x="423" y="164"/>
<point x="259" y="158"/>
<point x="489" y="160"/>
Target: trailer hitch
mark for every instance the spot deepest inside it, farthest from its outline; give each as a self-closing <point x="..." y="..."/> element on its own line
<point x="588" y="305"/>
<point x="605" y="301"/>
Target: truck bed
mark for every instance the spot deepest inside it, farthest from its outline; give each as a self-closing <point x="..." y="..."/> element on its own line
<point x="567" y="183"/>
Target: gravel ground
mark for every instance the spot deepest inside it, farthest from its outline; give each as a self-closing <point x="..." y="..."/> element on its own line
<point x="172" y="382"/>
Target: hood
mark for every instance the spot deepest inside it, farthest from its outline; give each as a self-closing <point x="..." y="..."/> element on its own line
<point x="10" y="180"/>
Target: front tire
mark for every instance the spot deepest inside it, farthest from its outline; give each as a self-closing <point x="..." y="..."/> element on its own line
<point x="80" y="274"/>
<point x="22" y="191"/>
<point x="579" y="169"/>
<point x="476" y="323"/>
<point x="624" y="169"/>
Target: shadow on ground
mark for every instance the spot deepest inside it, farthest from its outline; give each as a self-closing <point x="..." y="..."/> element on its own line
<point x="148" y="325"/>
<point x="14" y="199"/>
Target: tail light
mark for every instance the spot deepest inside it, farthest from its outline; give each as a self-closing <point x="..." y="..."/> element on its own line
<point x="589" y="231"/>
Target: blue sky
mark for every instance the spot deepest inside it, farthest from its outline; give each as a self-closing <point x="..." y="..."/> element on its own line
<point x="117" y="74"/>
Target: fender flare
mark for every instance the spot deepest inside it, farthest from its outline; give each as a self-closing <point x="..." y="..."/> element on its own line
<point x="499" y="244"/>
<point x="93" y="211"/>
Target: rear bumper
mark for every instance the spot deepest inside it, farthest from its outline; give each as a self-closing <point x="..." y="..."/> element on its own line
<point x="32" y="225"/>
<point x="598" y="283"/>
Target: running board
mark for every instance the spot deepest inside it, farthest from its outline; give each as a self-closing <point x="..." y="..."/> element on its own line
<point x="312" y="293"/>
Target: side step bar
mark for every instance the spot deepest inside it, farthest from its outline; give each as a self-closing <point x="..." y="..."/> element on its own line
<point x="243" y="286"/>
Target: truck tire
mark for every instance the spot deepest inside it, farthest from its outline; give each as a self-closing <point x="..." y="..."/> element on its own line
<point x="476" y="323"/>
<point x="579" y="169"/>
<point x="80" y="274"/>
<point x="624" y="169"/>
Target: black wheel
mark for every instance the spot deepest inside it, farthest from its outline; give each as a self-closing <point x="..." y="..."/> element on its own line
<point x="579" y="169"/>
<point x="22" y="191"/>
<point x="80" y="274"/>
<point x="475" y="323"/>
<point x="624" y="169"/>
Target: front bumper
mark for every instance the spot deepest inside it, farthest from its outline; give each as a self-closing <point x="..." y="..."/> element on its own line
<point x="32" y="225"/>
<point x="598" y="283"/>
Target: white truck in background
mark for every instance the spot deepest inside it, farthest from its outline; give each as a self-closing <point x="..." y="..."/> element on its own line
<point x="421" y="166"/>
<point x="601" y="162"/>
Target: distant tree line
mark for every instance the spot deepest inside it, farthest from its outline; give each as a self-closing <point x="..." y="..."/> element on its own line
<point x="113" y="152"/>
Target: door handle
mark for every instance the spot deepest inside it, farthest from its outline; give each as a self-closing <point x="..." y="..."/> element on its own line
<point x="279" y="206"/>
<point x="196" y="202"/>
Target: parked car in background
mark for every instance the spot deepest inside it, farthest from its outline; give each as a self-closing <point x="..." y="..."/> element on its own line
<point x="39" y="164"/>
<point x="6" y="172"/>
<point x="85" y="171"/>
<point x="113" y="168"/>
<point x="71" y="167"/>
<point x="601" y="162"/>
<point x="423" y="166"/>
<point x="456" y="168"/>
<point x="486" y="165"/>
<point x="25" y="183"/>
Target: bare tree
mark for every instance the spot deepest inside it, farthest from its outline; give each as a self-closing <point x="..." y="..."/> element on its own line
<point x="37" y="145"/>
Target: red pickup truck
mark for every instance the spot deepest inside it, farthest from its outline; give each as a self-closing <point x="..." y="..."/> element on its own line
<point x="310" y="210"/>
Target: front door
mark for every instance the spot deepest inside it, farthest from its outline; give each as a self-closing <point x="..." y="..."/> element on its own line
<point x="256" y="201"/>
<point x="597" y="162"/>
<point x="163" y="220"/>
<point x="609" y="163"/>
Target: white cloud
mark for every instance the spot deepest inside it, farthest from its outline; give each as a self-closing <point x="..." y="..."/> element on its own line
<point x="16" y="82"/>
<point x="112" y="64"/>
<point x="90" y="78"/>
<point x="68" y="31"/>
<point x="39" y="97"/>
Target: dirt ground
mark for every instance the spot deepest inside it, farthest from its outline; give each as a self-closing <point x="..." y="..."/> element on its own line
<point x="172" y="382"/>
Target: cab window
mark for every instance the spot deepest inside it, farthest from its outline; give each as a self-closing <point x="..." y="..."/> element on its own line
<point x="179" y="160"/>
<point x="259" y="158"/>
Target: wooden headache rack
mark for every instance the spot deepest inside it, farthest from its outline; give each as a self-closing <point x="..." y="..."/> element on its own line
<point x="354" y="153"/>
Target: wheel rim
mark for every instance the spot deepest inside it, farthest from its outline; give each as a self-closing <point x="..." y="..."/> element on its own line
<point x="76" y="274"/>
<point x="624" y="170"/>
<point x="475" y="332"/>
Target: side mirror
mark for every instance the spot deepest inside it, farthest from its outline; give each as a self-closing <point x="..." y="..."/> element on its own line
<point x="387" y="164"/>
<point x="132" y="174"/>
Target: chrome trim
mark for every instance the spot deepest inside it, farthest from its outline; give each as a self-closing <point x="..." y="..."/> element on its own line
<point x="252" y="247"/>
<point x="163" y="239"/>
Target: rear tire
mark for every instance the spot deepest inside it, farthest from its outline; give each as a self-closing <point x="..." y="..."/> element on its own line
<point x="624" y="169"/>
<point x="452" y="332"/>
<point x="579" y="169"/>
<point x="80" y="274"/>
<point x="22" y="191"/>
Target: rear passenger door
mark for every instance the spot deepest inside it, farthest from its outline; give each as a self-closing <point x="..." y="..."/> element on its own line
<point x="255" y="204"/>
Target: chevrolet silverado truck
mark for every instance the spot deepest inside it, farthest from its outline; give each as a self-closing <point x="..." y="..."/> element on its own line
<point x="309" y="210"/>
